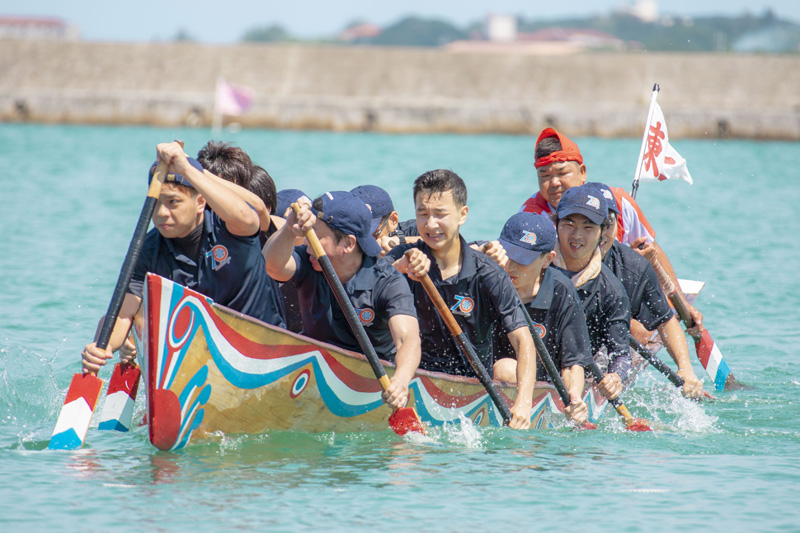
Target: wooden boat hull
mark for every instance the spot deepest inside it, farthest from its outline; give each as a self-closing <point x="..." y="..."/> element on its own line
<point x="211" y="370"/>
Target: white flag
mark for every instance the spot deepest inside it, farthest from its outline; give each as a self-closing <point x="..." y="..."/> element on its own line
<point x="661" y="161"/>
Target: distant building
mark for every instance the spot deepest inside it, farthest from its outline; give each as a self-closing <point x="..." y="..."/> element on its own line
<point x="501" y="28"/>
<point x="36" y="28"/>
<point x="644" y="10"/>
<point x="581" y="38"/>
<point x="359" y="33"/>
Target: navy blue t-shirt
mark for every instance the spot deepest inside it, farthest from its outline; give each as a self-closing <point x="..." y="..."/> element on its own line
<point x="648" y="303"/>
<point x="408" y="227"/>
<point x="558" y="313"/>
<point x="230" y="270"/>
<point x="377" y="291"/>
<point x="481" y="298"/>
<point x="608" y="317"/>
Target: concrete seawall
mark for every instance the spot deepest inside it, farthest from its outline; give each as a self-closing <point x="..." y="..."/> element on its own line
<point x="401" y="89"/>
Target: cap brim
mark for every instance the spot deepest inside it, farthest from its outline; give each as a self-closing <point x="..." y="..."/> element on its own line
<point x="369" y="246"/>
<point x="592" y="215"/>
<point x="376" y="222"/>
<point x="518" y="254"/>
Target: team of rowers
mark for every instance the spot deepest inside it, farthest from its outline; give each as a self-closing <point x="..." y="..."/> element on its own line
<point x="574" y="257"/>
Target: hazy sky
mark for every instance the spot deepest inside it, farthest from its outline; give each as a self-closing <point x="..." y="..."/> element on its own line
<point x="225" y="21"/>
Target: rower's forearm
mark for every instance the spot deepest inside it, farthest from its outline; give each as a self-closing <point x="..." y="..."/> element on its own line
<point x="249" y="197"/>
<point x="574" y="380"/>
<point x="407" y="359"/>
<point x="230" y="206"/>
<point x="277" y="254"/>
<point x="674" y="340"/>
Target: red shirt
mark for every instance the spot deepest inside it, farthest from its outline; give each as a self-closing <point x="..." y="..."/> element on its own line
<point x="631" y="225"/>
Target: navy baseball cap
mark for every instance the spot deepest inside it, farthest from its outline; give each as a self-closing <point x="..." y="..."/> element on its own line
<point x="526" y="235"/>
<point x="175" y="178"/>
<point x="286" y="198"/>
<point x="378" y="201"/>
<point x="583" y="200"/>
<point x="343" y="211"/>
<point x="605" y="190"/>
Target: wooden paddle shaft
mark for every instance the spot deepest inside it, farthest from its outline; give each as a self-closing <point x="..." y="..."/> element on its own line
<point x="657" y="363"/>
<point x="466" y="347"/>
<point x="347" y="307"/>
<point x="132" y="257"/>
<point x="672" y="292"/>
<point x="544" y="355"/>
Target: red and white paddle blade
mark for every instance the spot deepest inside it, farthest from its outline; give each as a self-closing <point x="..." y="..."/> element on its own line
<point x="121" y="397"/>
<point x="76" y="413"/>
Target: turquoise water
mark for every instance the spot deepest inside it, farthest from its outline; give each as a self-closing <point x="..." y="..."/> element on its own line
<point x="71" y="197"/>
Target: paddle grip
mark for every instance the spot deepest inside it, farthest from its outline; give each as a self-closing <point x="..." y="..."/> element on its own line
<point x="544" y="355"/>
<point x="616" y="402"/>
<point x="345" y="304"/>
<point x="132" y="257"/>
<point x="657" y="363"/>
<point x="466" y="347"/>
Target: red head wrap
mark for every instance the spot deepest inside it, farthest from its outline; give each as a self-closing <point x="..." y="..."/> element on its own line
<point x="569" y="150"/>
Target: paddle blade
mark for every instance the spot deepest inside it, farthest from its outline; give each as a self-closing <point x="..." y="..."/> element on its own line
<point x="404" y="420"/>
<point x="640" y="424"/>
<point x="712" y="360"/>
<point x="588" y="425"/>
<point x="76" y="413"/>
<point x="121" y="397"/>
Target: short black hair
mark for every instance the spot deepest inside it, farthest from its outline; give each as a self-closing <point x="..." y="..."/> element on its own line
<point x="441" y="181"/>
<point x="227" y="161"/>
<point x="547" y="146"/>
<point x="262" y="185"/>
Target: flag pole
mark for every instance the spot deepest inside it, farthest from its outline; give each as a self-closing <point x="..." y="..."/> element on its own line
<point x="216" y="121"/>
<point x="653" y="97"/>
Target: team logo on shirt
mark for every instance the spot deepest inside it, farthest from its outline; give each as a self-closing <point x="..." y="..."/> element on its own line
<point x="219" y="256"/>
<point x="539" y="329"/>
<point x="528" y="237"/>
<point x="608" y="194"/>
<point x="366" y="316"/>
<point x="463" y="306"/>
<point x="593" y="202"/>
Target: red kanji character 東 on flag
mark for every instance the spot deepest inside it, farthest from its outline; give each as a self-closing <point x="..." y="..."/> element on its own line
<point x="661" y="161"/>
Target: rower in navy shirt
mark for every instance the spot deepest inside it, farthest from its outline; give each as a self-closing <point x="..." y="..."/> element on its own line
<point x="205" y="237"/>
<point x="387" y="228"/>
<point x="479" y="293"/>
<point x="527" y="243"/>
<point x="650" y="309"/>
<point x="581" y="215"/>
<point x="379" y="294"/>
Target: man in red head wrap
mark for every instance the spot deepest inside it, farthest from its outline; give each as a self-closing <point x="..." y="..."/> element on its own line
<point x="559" y="166"/>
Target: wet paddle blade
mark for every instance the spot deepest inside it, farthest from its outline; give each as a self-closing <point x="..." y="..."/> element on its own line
<point x="587" y="425"/>
<point x="715" y="365"/>
<point x="404" y="420"/>
<point x="76" y="413"/>
<point x="640" y="424"/>
<point x="120" y="399"/>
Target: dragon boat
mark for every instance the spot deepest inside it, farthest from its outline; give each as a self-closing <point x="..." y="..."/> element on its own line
<point x="211" y="370"/>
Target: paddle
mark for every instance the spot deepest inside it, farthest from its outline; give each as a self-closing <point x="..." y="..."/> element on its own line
<point x="84" y="389"/>
<point x="466" y="348"/>
<point x="710" y="357"/>
<point x="631" y="423"/>
<point x="550" y="366"/>
<point x="404" y="419"/>
<point x="660" y="365"/>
